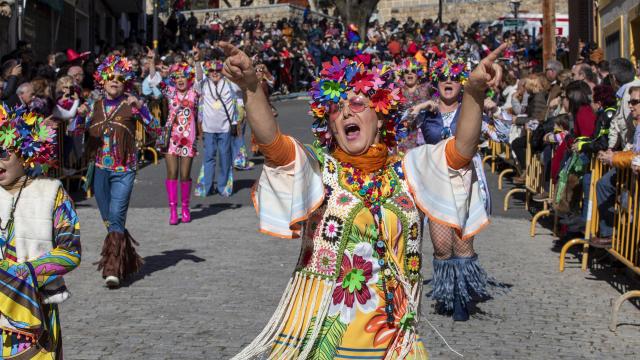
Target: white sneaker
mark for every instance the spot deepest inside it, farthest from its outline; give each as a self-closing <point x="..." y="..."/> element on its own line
<point x="112" y="281"/>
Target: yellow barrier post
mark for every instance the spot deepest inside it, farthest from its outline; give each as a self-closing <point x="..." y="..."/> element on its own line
<point x="624" y="246"/>
<point x="598" y="169"/>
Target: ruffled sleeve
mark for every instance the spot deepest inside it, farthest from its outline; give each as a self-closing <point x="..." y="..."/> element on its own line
<point x="447" y="196"/>
<point x="285" y="195"/>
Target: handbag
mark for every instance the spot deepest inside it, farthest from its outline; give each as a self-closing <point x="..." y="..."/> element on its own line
<point x="88" y="182"/>
<point x="163" y="140"/>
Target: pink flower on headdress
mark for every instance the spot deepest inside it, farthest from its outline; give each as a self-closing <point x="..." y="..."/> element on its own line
<point x="334" y="70"/>
<point x="362" y="82"/>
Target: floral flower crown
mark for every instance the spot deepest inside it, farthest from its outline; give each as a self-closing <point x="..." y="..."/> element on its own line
<point x="456" y="70"/>
<point x="212" y="65"/>
<point x="114" y="64"/>
<point x="410" y="65"/>
<point x="337" y="78"/>
<point x="181" y="69"/>
<point x="28" y="136"/>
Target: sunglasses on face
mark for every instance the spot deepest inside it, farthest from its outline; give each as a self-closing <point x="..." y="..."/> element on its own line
<point x="356" y="105"/>
<point x="114" y="77"/>
<point x="444" y="78"/>
<point x="634" y="102"/>
<point x="5" y="154"/>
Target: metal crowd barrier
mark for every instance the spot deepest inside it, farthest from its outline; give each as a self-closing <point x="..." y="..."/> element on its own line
<point x="534" y="184"/>
<point x="145" y="143"/>
<point x="505" y="154"/>
<point x="626" y="230"/>
<point x="598" y="169"/>
<point x="499" y="151"/>
<point x="79" y="165"/>
<point x="517" y="190"/>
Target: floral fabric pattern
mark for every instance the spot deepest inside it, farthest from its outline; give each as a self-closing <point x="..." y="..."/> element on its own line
<point x="356" y="284"/>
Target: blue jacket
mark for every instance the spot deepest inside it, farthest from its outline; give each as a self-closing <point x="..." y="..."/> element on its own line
<point x="432" y="126"/>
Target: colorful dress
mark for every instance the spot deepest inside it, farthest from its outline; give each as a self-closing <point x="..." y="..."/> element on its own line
<point x="356" y="290"/>
<point x="183" y="109"/>
<point x="30" y="321"/>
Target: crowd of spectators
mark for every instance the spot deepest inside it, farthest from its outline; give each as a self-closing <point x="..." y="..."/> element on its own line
<point x="291" y="52"/>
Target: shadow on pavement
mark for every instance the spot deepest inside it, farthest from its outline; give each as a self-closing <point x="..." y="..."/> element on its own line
<point x="163" y="261"/>
<point x="200" y="211"/>
<point x="240" y="184"/>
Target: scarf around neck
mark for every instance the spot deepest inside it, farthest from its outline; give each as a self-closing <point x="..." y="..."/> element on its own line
<point x="372" y="160"/>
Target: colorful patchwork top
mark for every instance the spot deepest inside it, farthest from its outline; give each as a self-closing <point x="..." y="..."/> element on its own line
<point x="356" y="289"/>
<point x="29" y="321"/>
<point x="107" y="155"/>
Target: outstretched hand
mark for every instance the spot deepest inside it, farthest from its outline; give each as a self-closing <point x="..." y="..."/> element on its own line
<point x="487" y="73"/>
<point x="238" y="67"/>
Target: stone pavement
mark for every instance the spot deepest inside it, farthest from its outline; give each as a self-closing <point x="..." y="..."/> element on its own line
<point x="208" y="288"/>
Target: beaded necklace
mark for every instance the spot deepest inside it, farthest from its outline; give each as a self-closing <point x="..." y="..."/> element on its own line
<point x="374" y="189"/>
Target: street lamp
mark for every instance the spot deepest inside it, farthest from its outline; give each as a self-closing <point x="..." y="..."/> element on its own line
<point x="515" y="6"/>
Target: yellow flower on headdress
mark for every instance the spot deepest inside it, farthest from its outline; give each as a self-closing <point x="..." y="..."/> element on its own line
<point x="3" y="115"/>
<point x="30" y="118"/>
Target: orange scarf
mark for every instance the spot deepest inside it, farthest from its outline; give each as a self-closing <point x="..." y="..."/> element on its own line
<point x="372" y="160"/>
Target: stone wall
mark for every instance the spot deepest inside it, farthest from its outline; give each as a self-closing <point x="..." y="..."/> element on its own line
<point x="268" y="13"/>
<point x="466" y="12"/>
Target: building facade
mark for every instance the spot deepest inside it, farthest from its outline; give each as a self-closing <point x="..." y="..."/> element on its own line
<point x="619" y="29"/>
<point x="465" y="12"/>
<point x="54" y="25"/>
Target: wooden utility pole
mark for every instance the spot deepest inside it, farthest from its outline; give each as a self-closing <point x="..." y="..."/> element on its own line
<point x="548" y="30"/>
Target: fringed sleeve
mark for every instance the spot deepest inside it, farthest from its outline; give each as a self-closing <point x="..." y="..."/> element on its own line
<point x="285" y="195"/>
<point x="447" y="196"/>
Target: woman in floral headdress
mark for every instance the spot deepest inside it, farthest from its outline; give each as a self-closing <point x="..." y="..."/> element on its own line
<point x="182" y="103"/>
<point x="416" y="91"/>
<point x="39" y="238"/>
<point x="111" y="143"/>
<point x="356" y="290"/>
<point x="453" y="255"/>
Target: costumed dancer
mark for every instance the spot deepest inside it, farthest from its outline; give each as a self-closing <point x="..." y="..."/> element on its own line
<point x="356" y="289"/>
<point x="182" y="105"/>
<point x="413" y="76"/>
<point x="218" y="125"/>
<point x="111" y="144"/>
<point x="39" y="236"/>
<point x="457" y="275"/>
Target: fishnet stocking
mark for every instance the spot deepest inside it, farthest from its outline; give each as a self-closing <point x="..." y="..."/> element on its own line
<point x="446" y="243"/>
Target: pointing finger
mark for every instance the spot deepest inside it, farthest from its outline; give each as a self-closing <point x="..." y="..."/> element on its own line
<point x="493" y="56"/>
<point x="229" y="50"/>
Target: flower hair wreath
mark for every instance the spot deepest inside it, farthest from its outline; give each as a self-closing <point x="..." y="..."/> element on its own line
<point x="337" y="78"/>
<point x="27" y="134"/>
<point x="111" y="65"/>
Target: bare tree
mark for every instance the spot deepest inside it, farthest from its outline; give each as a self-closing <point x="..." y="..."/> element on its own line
<point x="356" y="12"/>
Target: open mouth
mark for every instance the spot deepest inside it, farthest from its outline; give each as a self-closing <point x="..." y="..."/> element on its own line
<point x="352" y="131"/>
<point x="2" y="171"/>
<point x="448" y="90"/>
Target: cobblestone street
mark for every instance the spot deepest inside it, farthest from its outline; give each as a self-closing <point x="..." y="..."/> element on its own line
<point x="208" y="287"/>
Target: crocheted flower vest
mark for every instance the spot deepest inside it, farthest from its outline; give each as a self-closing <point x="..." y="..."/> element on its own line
<point x="352" y="269"/>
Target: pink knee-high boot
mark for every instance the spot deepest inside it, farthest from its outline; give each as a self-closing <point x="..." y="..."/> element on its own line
<point x="172" y="195"/>
<point x="185" y="192"/>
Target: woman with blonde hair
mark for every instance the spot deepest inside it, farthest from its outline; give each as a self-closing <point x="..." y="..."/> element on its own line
<point x="536" y="87"/>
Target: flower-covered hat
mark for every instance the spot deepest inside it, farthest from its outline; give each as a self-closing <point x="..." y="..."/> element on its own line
<point x="181" y="69"/>
<point x="337" y="78"/>
<point x="26" y="134"/>
<point x="114" y="65"/>
<point x="410" y="65"/>
<point x="456" y="70"/>
<point x="212" y="65"/>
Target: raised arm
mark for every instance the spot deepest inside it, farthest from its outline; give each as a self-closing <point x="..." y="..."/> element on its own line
<point x="239" y="69"/>
<point x="486" y="74"/>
